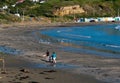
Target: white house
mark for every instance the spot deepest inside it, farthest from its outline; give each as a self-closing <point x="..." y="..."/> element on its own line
<point x="17" y="14"/>
<point x="35" y="0"/>
<point x="41" y="1"/>
<point x="5" y="7"/>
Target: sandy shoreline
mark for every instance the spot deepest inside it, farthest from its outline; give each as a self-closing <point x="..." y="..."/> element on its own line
<point x="20" y="37"/>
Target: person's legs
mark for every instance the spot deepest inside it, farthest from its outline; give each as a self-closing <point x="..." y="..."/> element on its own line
<point x="50" y="59"/>
<point x="54" y="60"/>
<point x="47" y="58"/>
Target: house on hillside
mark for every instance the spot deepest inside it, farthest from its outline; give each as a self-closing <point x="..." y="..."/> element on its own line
<point x="41" y="1"/>
<point x="35" y="0"/>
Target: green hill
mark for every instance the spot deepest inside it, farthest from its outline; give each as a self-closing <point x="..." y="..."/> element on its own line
<point x="93" y="8"/>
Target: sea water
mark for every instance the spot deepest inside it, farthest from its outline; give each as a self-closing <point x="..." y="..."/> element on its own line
<point x="10" y="50"/>
<point x="103" y="40"/>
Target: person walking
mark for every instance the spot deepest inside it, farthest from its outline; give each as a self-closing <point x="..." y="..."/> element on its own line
<point x="48" y="55"/>
<point x="53" y="56"/>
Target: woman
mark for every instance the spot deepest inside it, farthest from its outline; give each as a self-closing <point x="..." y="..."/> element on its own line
<point x="47" y="55"/>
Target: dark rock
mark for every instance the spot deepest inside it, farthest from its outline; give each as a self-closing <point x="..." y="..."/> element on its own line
<point x="50" y="71"/>
<point x="24" y="77"/>
<point x="49" y="78"/>
<point x="24" y="70"/>
<point x="34" y="82"/>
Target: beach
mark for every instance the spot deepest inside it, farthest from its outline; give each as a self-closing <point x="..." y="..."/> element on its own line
<point x="81" y="68"/>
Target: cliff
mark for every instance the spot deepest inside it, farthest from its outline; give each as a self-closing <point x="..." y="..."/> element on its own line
<point x="67" y="10"/>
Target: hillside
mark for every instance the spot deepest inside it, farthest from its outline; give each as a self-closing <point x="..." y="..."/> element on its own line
<point x="29" y="9"/>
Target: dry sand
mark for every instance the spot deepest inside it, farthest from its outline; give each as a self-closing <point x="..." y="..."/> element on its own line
<point x="19" y="68"/>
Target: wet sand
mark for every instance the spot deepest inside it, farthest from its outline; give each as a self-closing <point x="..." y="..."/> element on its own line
<point x="89" y="68"/>
<point x="19" y="71"/>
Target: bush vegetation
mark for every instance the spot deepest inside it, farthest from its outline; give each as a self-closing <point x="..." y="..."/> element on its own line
<point x="94" y="8"/>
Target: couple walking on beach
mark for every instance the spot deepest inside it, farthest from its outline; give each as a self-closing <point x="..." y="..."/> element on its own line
<point x="51" y="58"/>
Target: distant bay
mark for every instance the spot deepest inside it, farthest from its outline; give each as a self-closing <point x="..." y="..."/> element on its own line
<point x="101" y="39"/>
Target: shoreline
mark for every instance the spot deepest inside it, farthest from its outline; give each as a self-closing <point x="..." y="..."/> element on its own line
<point x="20" y="37"/>
<point x="46" y="24"/>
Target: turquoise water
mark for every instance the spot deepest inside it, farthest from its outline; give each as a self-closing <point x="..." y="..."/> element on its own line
<point x="103" y="40"/>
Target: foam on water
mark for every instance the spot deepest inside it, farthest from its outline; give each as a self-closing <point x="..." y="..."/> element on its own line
<point x="72" y="35"/>
<point x="114" y="46"/>
<point x="117" y="27"/>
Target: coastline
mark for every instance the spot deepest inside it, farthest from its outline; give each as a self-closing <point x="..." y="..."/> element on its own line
<point x="20" y="37"/>
<point x="47" y="24"/>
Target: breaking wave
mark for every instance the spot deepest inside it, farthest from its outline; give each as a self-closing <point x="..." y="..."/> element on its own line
<point x="114" y="46"/>
<point x="82" y="36"/>
<point x="117" y="27"/>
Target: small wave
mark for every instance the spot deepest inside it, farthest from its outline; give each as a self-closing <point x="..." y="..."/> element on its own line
<point x="64" y="40"/>
<point x="114" y="46"/>
<point x="63" y="30"/>
<point x="58" y="31"/>
<point x="78" y="36"/>
<point x="44" y="42"/>
<point x="117" y="27"/>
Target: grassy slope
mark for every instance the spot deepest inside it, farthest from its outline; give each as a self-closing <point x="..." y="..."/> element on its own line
<point x="92" y="7"/>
